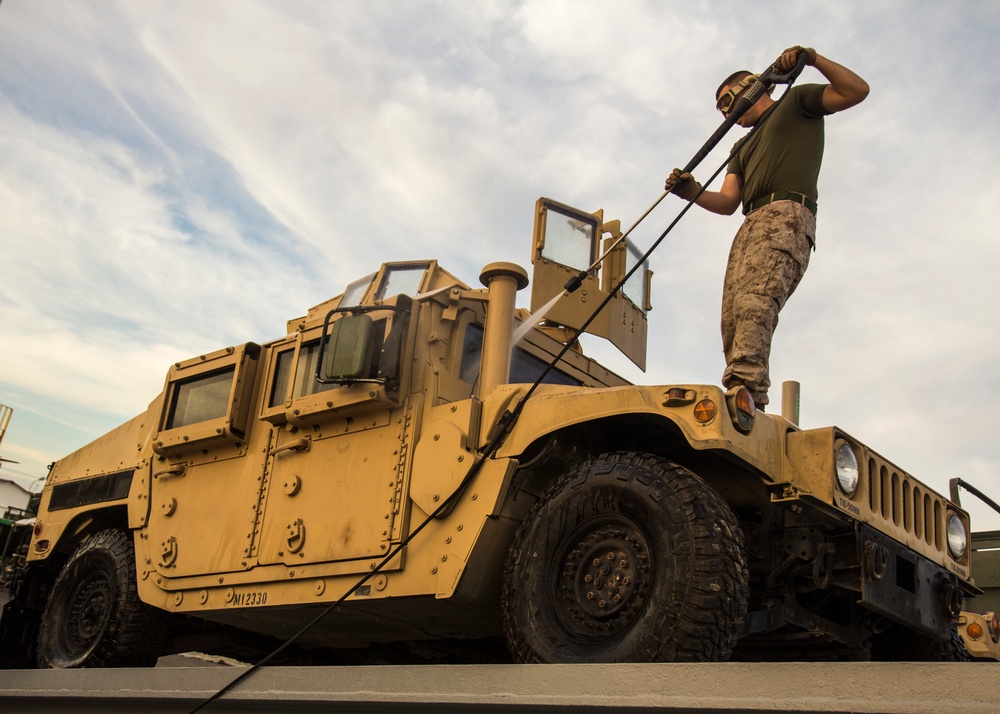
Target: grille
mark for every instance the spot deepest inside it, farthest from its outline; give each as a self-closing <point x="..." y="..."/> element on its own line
<point x="82" y="492"/>
<point x="906" y="503"/>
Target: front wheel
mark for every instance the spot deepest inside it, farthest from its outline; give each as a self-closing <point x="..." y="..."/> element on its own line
<point x="94" y="617"/>
<point x="628" y="558"/>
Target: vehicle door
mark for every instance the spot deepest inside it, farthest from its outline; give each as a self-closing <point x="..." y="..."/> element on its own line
<point x="338" y="460"/>
<point x="204" y="488"/>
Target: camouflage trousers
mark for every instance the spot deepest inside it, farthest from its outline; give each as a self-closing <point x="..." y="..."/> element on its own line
<point x="768" y="258"/>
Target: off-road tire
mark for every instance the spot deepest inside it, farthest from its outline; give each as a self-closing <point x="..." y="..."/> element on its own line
<point x="628" y="558"/>
<point x="953" y="650"/>
<point x="94" y="617"/>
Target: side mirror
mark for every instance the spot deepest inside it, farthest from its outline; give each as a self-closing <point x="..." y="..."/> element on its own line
<point x="347" y="350"/>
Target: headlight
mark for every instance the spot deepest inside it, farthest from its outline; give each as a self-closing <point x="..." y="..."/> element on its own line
<point x="847" y="470"/>
<point x="957" y="538"/>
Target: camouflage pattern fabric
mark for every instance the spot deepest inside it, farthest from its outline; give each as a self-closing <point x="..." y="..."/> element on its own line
<point x="767" y="260"/>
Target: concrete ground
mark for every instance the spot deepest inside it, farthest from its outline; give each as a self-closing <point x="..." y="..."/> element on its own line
<point x="182" y="682"/>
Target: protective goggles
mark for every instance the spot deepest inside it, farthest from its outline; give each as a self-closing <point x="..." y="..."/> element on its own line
<point x="728" y="99"/>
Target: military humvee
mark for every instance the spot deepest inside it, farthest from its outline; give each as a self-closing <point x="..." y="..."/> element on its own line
<point x="447" y="466"/>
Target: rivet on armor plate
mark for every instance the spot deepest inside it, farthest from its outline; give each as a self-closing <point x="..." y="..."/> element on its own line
<point x="178" y="598"/>
<point x="320" y="587"/>
<point x="203" y="597"/>
<point x="230" y="594"/>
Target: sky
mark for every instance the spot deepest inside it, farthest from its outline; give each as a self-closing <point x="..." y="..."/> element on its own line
<point x="176" y="177"/>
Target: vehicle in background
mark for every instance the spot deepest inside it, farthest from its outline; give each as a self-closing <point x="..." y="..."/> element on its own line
<point x="979" y="624"/>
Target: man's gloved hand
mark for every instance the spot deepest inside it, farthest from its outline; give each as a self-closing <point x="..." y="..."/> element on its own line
<point x="790" y="57"/>
<point x="682" y="184"/>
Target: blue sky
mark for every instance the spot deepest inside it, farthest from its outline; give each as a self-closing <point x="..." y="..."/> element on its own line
<point x="177" y="177"/>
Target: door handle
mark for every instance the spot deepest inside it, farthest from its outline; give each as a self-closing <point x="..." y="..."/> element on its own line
<point x="301" y="445"/>
<point x="177" y="470"/>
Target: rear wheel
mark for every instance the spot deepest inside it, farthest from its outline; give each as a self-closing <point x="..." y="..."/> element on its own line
<point x="628" y="558"/>
<point x="94" y="617"/>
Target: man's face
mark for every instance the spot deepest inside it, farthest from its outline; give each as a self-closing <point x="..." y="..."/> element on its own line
<point x="752" y="114"/>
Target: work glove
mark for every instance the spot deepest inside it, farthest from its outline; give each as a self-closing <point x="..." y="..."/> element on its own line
<point x="790" y="57"/>
<point x="682" y="185"/>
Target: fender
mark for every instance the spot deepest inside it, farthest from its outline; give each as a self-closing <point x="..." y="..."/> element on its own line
<point x="553" y="407"/>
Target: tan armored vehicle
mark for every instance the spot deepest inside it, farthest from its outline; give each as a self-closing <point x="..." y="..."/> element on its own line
<point x="475" y="490"/>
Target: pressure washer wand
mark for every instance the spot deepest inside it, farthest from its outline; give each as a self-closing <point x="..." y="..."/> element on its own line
<point x="767" y="79"/>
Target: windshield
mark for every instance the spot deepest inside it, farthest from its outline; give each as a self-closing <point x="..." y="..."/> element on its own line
<point x="525" y="368"/>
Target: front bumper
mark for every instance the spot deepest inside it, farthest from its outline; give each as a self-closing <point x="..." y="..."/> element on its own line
<point x="906" y="587"/>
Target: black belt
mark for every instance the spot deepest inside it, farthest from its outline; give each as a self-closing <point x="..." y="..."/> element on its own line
<point x="780" y="196"/>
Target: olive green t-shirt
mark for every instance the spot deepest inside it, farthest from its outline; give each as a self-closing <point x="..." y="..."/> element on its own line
<point x="786" y="152"/>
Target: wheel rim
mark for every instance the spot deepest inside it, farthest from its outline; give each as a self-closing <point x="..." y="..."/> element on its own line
<point x="602" y="579"/>
<point x="88" y="613"/>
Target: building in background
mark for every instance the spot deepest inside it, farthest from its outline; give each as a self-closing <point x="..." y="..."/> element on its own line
<point x="13" y="496"/>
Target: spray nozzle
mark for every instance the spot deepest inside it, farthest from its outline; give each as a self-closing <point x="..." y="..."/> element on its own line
<point x="574" y="283"/>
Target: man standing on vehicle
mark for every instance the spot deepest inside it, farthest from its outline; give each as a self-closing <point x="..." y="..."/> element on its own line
<point x="774" y="174"/>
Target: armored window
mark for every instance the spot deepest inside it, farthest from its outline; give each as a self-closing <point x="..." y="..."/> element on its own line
<point x="525" y="368"/>
<point x="636" y="288"/>
<point x="208" y="401"/>
<point x="305" y="372"/>
<point x="402" y="280"/>
<point x="355" y="292"/>
<point x="282" y="379"/>
<point x="570" y="239"/>
<point x="201" y="398"/>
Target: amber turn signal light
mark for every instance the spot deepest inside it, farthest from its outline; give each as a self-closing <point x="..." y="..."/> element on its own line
<point x="974" y="630"/>
<point x="741" y="408"/>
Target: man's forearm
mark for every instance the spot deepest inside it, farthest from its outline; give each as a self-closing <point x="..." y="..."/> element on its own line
<point x="718" y="202"/>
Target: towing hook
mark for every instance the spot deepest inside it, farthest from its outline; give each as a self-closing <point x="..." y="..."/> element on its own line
<point x="823" y="566"/>
<point x="954" y="598"/>
<point x="876" y="560"/>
